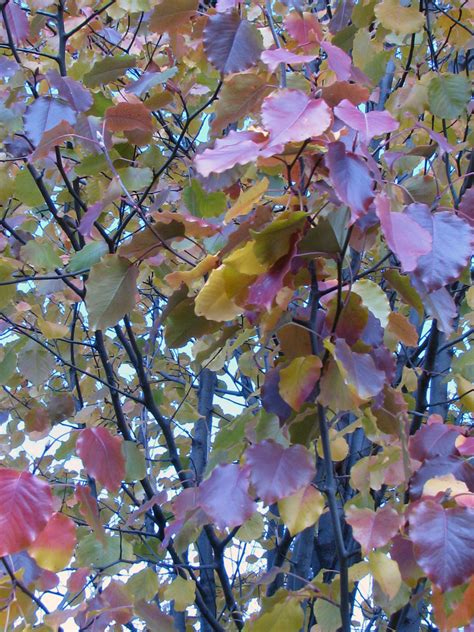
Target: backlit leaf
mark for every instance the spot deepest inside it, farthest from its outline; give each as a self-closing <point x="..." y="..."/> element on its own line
<point x="373" y="529"/>
<point x="368" y="124"/>
<point x="181" y="591"/>
<point x="298" y="379"/>
<point x="102" y="456"/>
<point x="54" y="546"/>
<point x="302" y="509"/>
<point x="399" y="19"/>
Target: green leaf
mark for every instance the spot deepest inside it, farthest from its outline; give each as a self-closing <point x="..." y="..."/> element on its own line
<point x="182" y="592"/>
<point x="108" y="69"/>
<point x="7" y="365"/>
<point x="448" y="95"/>
<point x="26" y="191"/>
<point x="111" y="289"/>
<point x="41" y="255"/>
<point x="203" y="204"/>
<point x="91" y="552"/>
<point x="144" y="583"/>
<point x="283" y="617"/>
<point x="36" y="364"/>
<point x="88" y="256"/>
<point x="135" y="465"/>
<point x="327" y="615"/>
<point x="136" y="178"/>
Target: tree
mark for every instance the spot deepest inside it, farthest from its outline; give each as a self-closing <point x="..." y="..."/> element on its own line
<point x="235" y="315"/>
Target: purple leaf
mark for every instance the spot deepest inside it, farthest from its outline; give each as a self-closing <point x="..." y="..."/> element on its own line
<point x="351" y="179"/>
<point x="71" y="91"/>
<point x="452" y="245"/>
<point x="404" y="236"/>
<point x="368" y="124"/>
<point x="237" y="148"/>
<point x="271" y="399"/>
<point x="338" y="61"/>
<point x="214" y="496"/>
<point x="440" y="465"/>
<point x="17" y="21"/>
<point x="272" y="58"/>
<point x="433" y="439"/>
<point x="444" y="542"/>
<point x="277" y="472"/>
<point x="466" y="207"/>
<point x="44" y="114"/>
<point x="359" y="370"/>
<point x="231" y="44"/>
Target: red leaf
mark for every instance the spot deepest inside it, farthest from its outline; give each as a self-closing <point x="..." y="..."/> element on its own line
<point x="17" y="21"/>
<point x="89" y="510"/>
<point x="293" y="116"/>
<point x="237" y="148"/>
<point x="231" y="44"/>
<point x="276" y="471"/>
<point x="402" y="552"/>
<point x="444" y="542"/>
<point x="101" y="453"/>
<point x="44" y="114"/>
<point x="351" y="179"/>
<point x="125" y="117"/>
<point x="338" y="61"/>
<point x="78" y="579"/>
<point x="222" y="509"/>
<point x="373" y="529"/>
<point x="272" y="58"/>
<point x="452" y="245"/>
<point x="54" y="546"/>
<point x="368" y="124"/>
<point x="433" y="439"/>
<point x="404" y="236"/>
<point x="26" y="505"/>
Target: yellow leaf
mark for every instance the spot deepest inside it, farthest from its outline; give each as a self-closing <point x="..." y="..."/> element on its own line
<point x="175" y="279"/>
<point x="52" y="330"/>
<point x="466" y="393"/>
<point x="398" y="19"/>
<point x="374" y="298"/>
<point x="339" y="446"/>
<point x="212" y="301"/>
<point x="182" y="592"/>
<point x="245" y="261"/>
<point x="386" y="573"/>
<point x="301" y="510"/>
<point x="457" y="489"/>
<point x="298" y="379"/>
<point x="247" y="200"/>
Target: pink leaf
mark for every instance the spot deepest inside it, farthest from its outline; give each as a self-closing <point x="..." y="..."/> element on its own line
<point x="44" y="114"/>
<point x="465" y="445"/>
<point x="444" y="542"/>
<point x="452" y="245"/>
<point x="373" y="529"/>
<point x="272" y="58"/>
<point x="226" y="5"/>
<point x="404" y="236"/>
<point x="338" y="61"/>
<point x="237" y="148"/>
<point x="231" y="44"/>
<point x="17" y="21"/>
<point x="277" y="472"/>
<point x="224" y="496"/>
<point x="368" y="124"/>
<point x="101" y="453"/>
<point x="304" y="28"/>
<point x="293" y="116"/>
<point x="26" y="505"/>
<point x="351" y="179"/>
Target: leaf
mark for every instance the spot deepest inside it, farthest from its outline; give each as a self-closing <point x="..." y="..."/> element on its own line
<point x="135" y="464"/>
<point x="373" y="529"/>
<point x="44" y="114"/>
<point x="52" y="331"/>
<point x="54" y="546"/>
<point x="40" y="254"/>
<point x="102" y="456"/>
<point x="298" y="379"/>
<point x="89" y="255"/>
<point x="108" y="69"/>
<point x="89" y="510"/>
<point x="212" y="302"/>
<point x="368" y="124"/>
<point x="129" y="117"/>
<point x="70" y="90"/>
<point x="17" y="21"/>
<point x="277" y="472"/>
<point x="338" y="60"/>
<point x="169" y="16"/>
<point x="302" y="509"/>
<point x="448" y="95"/>
<point x="240" y="95"/>
<point x="444" y="542"/>
<point x="433" y="439"/>
<point x="374" y="298"/>
<point x="386" y="573"/>
<point x="247" y="199"/>
<point x="214" y="496"/>
<point x="402" y="329"/>
<point x="154" y="618"/>
<point x="182" y="592"/>
<point x="237" y="148"/>
<point x="104" y="555"/>
<point x="404" y="236"/>
<point x="328" y="615"/>
<point x="282" y="617"/>
<point x="338" y="445"/>
<point x="36" y="364"/>
<point x="111" y="288"/>
<point x="452" y="242"/>
<point x="276" y="56"/>
<point x="399" y="19"/>
<point x="358" y="370"/>
<point x="274" y="241"/>
<point x="25" y="189"/>
<point x="231" y="44"/>
<point x="54" y="137"/>
<point x="149" y="80"/>
<point x="26" y="505"/>
<point x="203" y="204"/>
<point x="351" y="179"/>
<point x="292" y="116"/>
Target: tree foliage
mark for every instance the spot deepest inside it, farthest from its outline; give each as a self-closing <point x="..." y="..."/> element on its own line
<point x="235" y="315"/>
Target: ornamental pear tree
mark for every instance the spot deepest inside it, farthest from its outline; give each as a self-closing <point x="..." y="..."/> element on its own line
<point x="236" y="315"/>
